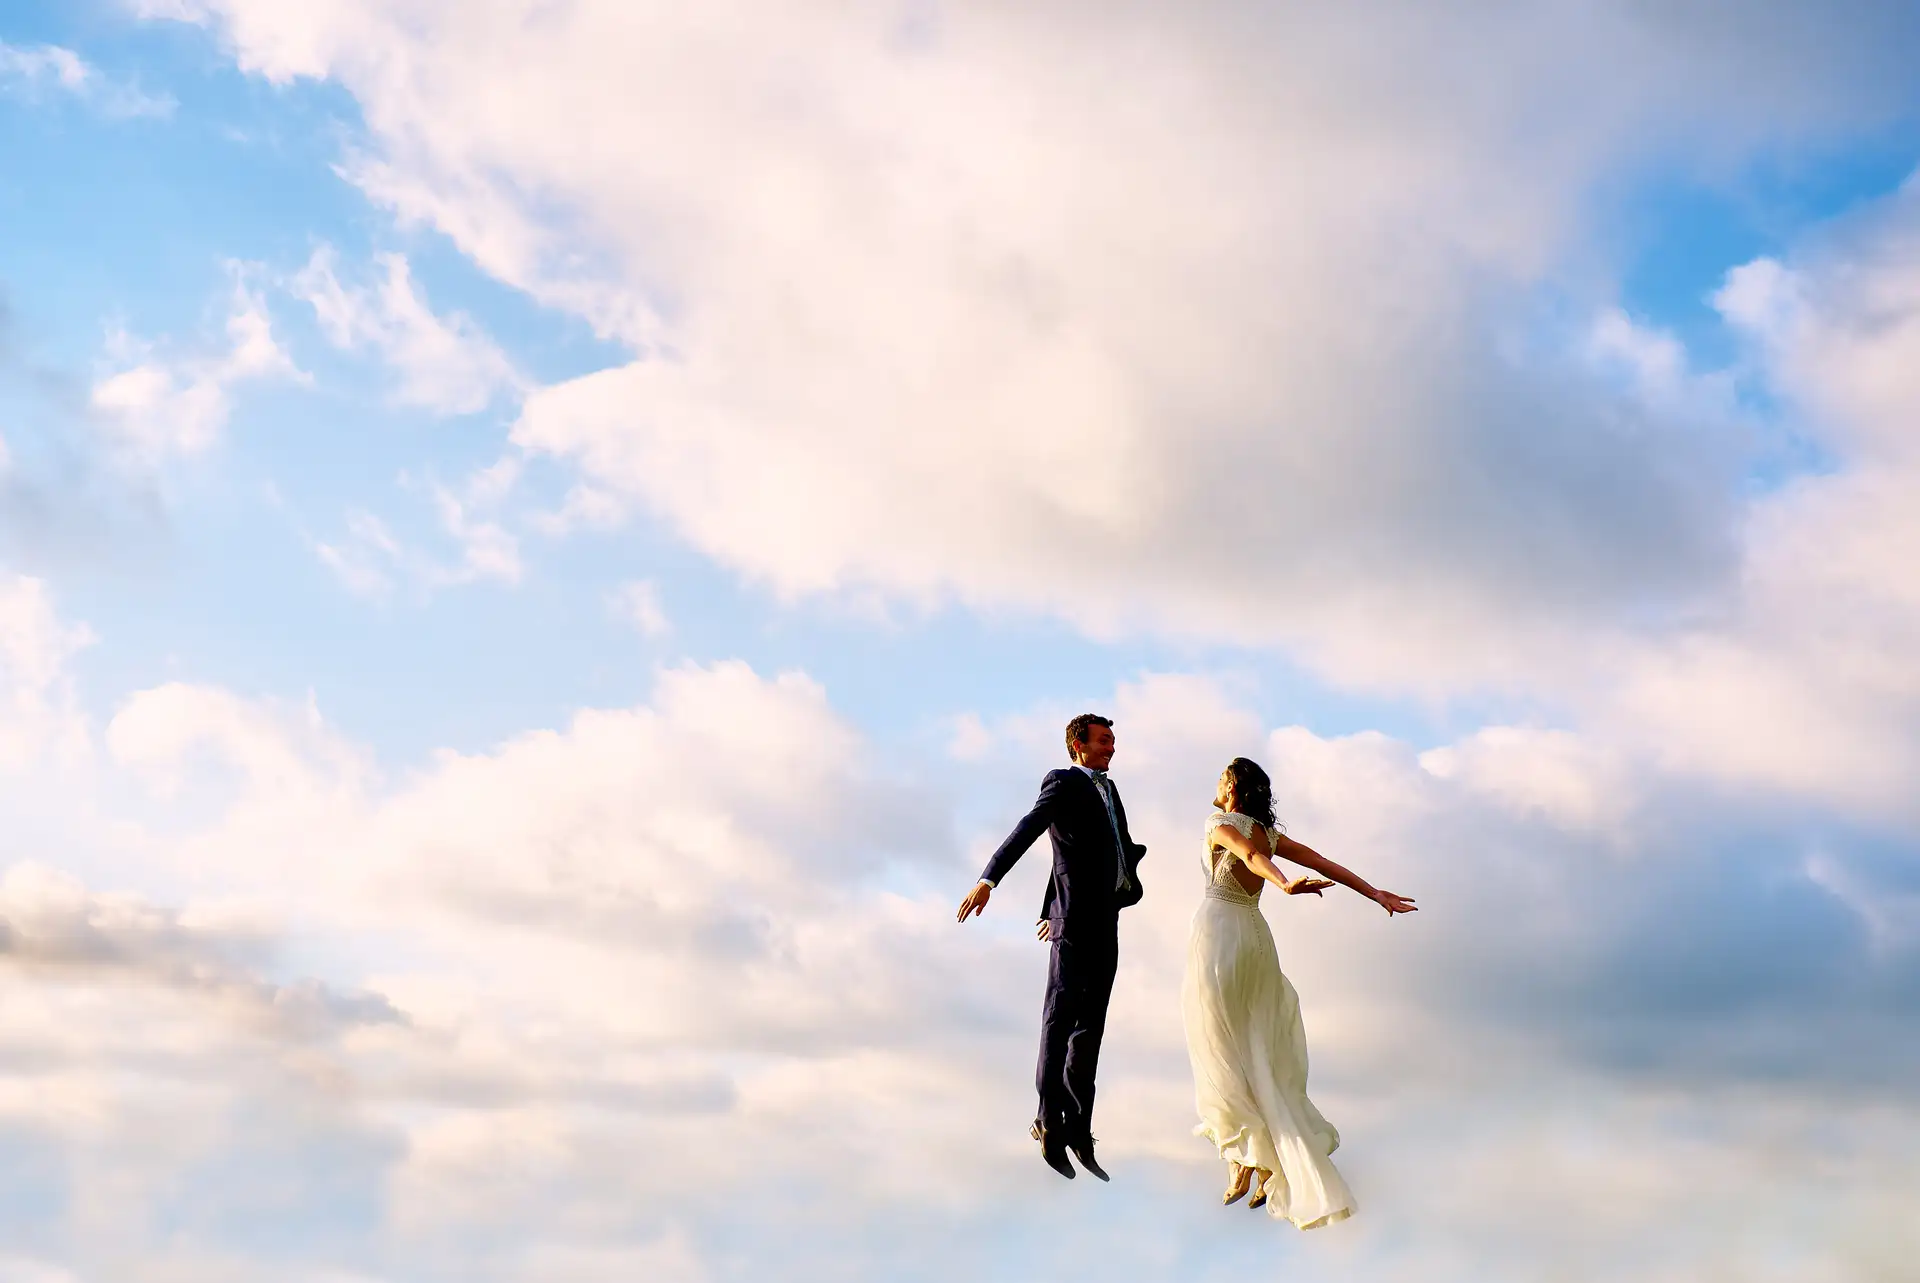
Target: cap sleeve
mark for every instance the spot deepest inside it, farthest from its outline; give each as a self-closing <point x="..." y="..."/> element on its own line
<point x="1241" y="824"/>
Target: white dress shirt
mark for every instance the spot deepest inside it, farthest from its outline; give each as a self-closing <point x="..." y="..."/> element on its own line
<point x="1100" y="783"/>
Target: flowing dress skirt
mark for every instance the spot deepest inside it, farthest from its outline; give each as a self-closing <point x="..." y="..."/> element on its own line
<point x="1249" y="1054"/>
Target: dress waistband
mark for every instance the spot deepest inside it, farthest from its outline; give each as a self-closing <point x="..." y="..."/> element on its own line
<point x="1232" y="895"/>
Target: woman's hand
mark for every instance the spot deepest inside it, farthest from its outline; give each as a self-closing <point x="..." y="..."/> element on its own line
<point x="1392" y="903"/>
<point x="1305" y="886"/>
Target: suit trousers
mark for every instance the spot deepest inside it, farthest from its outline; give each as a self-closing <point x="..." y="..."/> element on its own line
<point x="1073" y="1021"/>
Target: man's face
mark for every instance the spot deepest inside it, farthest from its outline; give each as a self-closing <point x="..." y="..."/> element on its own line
<point x="1097" y="749"/>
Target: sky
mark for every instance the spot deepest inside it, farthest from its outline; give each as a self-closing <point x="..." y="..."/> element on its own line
<point x="542" y="542"/>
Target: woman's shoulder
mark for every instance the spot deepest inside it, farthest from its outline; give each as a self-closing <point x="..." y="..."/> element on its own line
<point x="1233" y="820"/>
<point x="1247" y="825"/>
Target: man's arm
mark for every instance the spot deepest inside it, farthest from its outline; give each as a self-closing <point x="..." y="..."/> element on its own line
<point x="1024" y="835"/>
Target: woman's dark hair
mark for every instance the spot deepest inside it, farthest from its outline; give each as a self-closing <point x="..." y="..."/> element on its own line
<point x="1252" y="790"/>
<point x="1080" y="728"/>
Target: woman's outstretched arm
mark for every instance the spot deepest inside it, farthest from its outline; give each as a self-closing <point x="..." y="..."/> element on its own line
<point x="1257" y="854"/>
<point x="1253" y="852"/>
<point x="1307" y="857"/>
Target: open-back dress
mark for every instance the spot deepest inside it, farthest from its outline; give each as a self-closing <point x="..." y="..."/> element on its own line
<point x="1249" y="1048"/>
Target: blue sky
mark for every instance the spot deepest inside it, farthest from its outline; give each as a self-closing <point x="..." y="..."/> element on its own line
<point x="542" y="544"/>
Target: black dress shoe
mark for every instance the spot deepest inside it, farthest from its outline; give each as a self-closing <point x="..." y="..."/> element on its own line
<point x="1052" y="1148"/>
<point x="1083" y="1150"/>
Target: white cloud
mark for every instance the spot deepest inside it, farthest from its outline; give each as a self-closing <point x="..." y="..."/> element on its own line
<point x="587" y="970"/>
<point x="487" y="549"/>
<point x="537" y="1036"/>
<point x="371" y="561"/>
<point x="443" y="363"/>
<point x="362" y="560"/>
<point x="1838" y="329"/>
<point x="1560" y="775"/>
<point x="282" y="754"/>
<point x="63" y="67"/>
<point x="583" y="508"/>
<point x="872" y="266"/>
<point x="1801" y="676"/>
<point x="1656" y="369"/>
<point x="39" y="714"/>
<point x="637" y="602"/>
<point x="30" y="72"/>
<point x="162" y="408"/>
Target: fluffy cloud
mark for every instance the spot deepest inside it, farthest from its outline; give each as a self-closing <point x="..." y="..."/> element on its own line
<point x="562" y="1004"/>
<point x="634" y="954"/>
<point x="1207" y="322"/>
<point x="56" y="928"/>
<point x="157" y="1078"/>
<point x="283" y="758"/>
<point x="1801" y="678"/>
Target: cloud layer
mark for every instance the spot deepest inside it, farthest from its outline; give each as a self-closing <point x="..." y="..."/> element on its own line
<point x="550" y="1010"/>
<point x="1218" y="323"/>
<point x="559" y="1003"/>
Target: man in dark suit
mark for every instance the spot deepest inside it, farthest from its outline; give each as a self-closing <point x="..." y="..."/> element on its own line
<point x="1095" y="875"/>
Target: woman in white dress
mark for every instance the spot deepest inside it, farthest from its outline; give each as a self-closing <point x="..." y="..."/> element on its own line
<point x="1244" y="1036"/>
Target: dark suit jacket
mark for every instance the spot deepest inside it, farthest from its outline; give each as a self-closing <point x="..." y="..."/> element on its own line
<point x="1081" y="889"/>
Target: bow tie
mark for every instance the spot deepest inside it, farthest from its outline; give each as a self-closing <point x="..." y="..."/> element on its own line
<point x="1099" y="777"/>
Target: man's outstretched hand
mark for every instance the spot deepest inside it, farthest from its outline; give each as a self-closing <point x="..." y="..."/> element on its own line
<point x="976" y="901"/>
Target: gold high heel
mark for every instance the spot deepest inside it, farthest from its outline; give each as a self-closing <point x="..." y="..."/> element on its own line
<point x="1262" y="1176"/>
<point x="1242" y="1182"/>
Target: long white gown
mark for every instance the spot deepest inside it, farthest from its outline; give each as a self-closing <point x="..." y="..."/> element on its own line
<point x="1249" y="1049"/>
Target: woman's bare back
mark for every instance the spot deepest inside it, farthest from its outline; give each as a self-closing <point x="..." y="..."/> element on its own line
<point x="1245" y="878"/>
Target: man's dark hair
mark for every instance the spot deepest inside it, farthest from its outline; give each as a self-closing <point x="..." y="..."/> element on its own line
<point x="1081" y="727"/>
